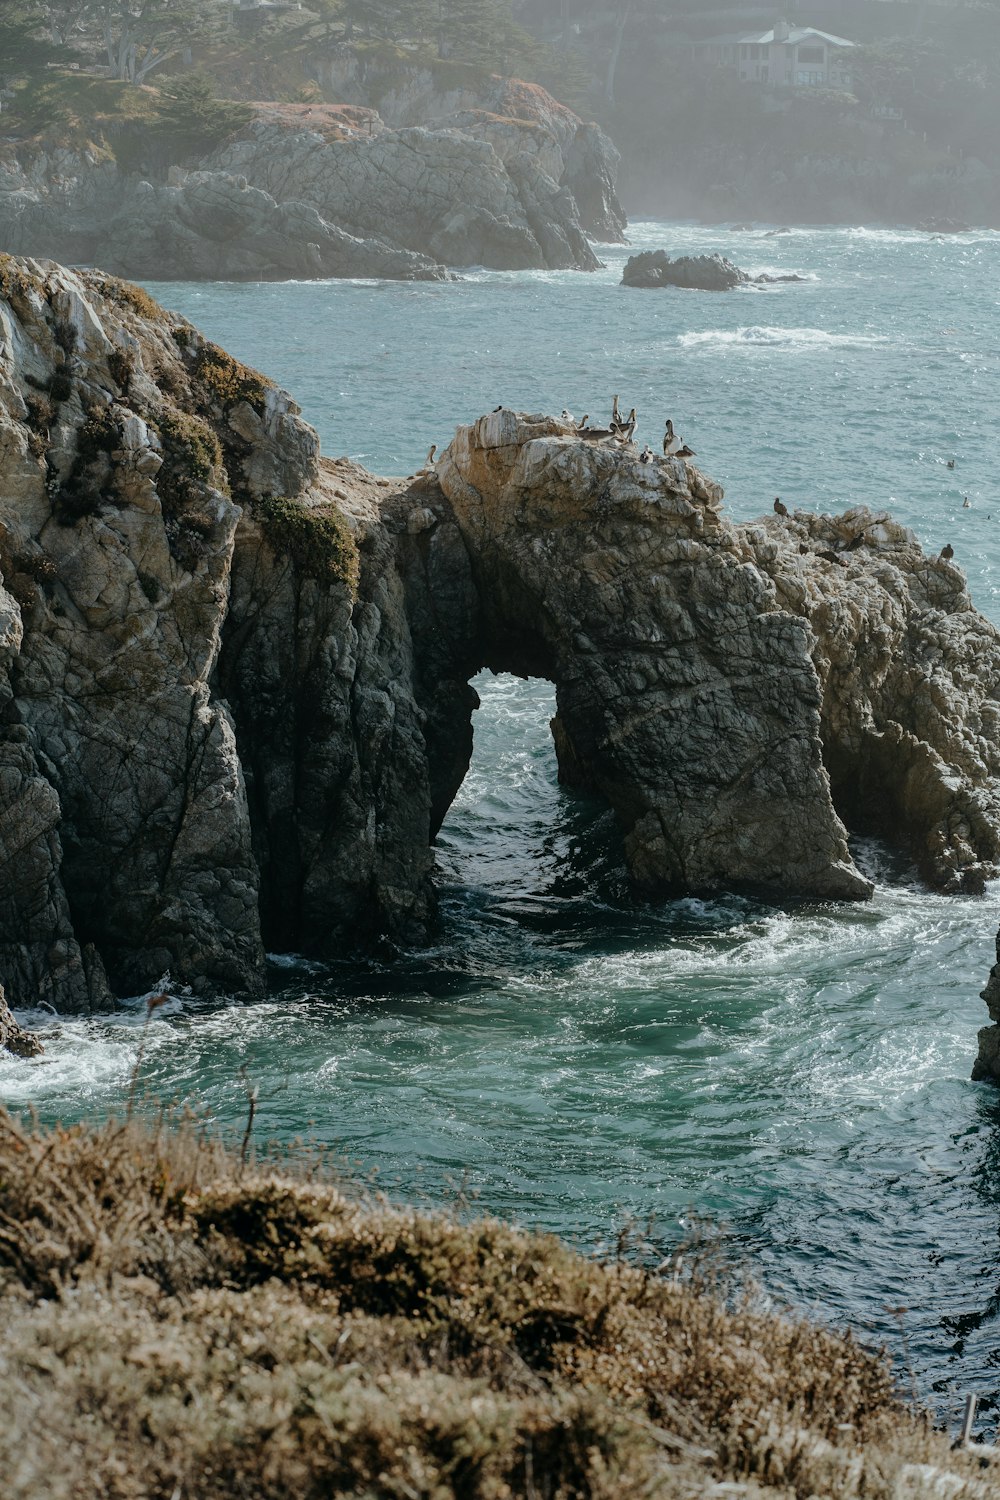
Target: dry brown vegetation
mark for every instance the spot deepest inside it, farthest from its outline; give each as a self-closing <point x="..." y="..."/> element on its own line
<point x="182" y="1324"/>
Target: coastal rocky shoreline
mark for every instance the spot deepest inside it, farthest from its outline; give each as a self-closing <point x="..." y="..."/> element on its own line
<point x="236" y="675"/>
<point x="501" y="176"/>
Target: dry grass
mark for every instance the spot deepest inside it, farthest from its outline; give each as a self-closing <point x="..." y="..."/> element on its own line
<point x="179" y="1324"/>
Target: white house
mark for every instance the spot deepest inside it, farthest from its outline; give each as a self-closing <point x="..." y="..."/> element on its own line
<point x="798" y="56"/>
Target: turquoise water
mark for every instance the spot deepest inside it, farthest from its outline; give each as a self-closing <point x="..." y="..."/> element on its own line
<point x="573" y="1060"/>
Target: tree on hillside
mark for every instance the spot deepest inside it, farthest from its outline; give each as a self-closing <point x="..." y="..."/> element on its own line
<point x="140" y="35"/>
<point x="22" y="47"/>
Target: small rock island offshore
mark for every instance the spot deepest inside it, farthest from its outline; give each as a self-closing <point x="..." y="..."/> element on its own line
<point x="236" y="675"/>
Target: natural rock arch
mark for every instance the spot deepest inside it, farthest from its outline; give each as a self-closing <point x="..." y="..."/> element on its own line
<point x="235" y="697"/>
<point x="712" y="680"/>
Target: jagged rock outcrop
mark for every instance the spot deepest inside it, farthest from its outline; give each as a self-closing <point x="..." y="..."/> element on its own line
<point x="448" y="193"/>
<point x="147" y="818"/>
<point x="325" y="190"/>
<point x="706" y="273"/>
<point x="731" y="689"/>
<point x="234" y="676"/>
<point x="517" y="118"/>
<point x="202" y="225"/>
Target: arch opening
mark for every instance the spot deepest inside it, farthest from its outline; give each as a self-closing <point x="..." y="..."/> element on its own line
<point x="520" y="836"/>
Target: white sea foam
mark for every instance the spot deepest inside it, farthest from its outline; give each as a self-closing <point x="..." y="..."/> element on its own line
<point x="806" y="340"/>
<point x="770" y="270"/>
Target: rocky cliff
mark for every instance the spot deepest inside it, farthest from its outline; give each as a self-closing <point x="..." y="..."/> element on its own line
<point x="322" y="190"/>
<point x="235" y="688"/>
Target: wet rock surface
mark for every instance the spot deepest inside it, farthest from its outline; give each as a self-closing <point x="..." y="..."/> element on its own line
<point x="14" y="1038"/>
<point x="707" y="273"/>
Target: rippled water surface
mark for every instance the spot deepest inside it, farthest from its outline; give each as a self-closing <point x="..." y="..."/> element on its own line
<point x="801" y="1074"/>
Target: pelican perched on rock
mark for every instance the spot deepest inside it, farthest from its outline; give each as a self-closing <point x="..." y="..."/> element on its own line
<point x="779" y="508"/>
<point x="670" y="441"/>
<point x="646" y="456"/>
<point x="595" y="434"/>
<point x="947" y="553"/>
<point x="624" y="430"/>
<point x="616" y="415"/>
<point x="567" y="416"/>
<point x="583" y="422"/>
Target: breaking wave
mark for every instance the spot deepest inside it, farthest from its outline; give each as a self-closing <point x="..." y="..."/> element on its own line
<point x="808" y="340"/>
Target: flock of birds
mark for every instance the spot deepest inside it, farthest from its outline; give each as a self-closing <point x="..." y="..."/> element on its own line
<point x="622" y="430"/>
<point x="619" y="430"/>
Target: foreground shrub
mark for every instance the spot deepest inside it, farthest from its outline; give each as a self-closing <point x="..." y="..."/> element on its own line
<point x="178" y="1322"/>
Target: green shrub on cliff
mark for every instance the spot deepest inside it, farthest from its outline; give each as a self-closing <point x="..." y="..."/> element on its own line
<point x="317" y="539"/>
<point x="226" y="381"/>
<point x="181" y="1321"/>
<point x="127" y="294"/>
<point x="192" y="457"/>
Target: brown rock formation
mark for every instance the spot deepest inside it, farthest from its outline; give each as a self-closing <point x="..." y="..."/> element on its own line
<point x="234" y="676"/>
<point x="726" y="687"/>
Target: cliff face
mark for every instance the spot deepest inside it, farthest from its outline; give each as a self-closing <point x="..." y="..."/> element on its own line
<point x="235" y="676"/>
<point x="168" y="536"/>
<point x="319" y="191"/>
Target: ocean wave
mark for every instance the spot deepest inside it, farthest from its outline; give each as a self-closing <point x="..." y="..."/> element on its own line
<point x="810" y="339"/>
<point x="771" y="270"/>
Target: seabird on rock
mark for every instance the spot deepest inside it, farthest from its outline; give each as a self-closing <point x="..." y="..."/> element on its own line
<point x="779" y="509"/>
<point x="685" y="452"/>
<point x="947" y="553"/>
<point x="497" y="408"/>
<point x="625" y="429"/>
<point x="583" y="422"/>
<point x="616" y="415"/>
<point x="855" y="542"/>
<point x="429" y="460"/>
<point x="671" y="442"/>
<point x="567" y="416"/>
<point x="646" y="456"/>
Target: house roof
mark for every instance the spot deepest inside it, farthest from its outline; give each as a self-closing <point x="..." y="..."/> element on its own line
<point x="795" y="35"/>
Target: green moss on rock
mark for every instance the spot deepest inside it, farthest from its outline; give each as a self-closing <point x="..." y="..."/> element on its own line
<point x="127" y="294"/>
<point x="316" y="538"/>
<point x="192" y="458"/>
<point x="15" y="281"/>
<point x="227" y="381"/>
<point x="86" y="489"/>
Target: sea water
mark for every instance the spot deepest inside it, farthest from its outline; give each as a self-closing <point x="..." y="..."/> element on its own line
<point x="563" y="1056"/>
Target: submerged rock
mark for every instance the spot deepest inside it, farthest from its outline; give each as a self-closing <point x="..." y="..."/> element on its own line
<point x="235" y="676"/>
<point x="707" y="273"/>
